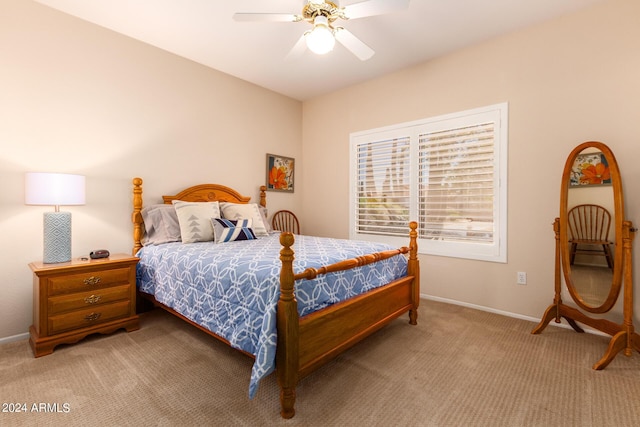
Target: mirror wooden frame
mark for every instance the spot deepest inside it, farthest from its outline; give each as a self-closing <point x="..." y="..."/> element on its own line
<point x="623" y="335"/>
<point x="618" y="220"/>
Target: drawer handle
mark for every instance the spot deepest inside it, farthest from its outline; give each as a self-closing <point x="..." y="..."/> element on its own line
<point x="92" y="299"/>
<point x="93" y="280"/>
<point x="92" y="317"/>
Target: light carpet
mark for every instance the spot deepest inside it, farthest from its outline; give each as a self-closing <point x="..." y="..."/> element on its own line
<point x="457" y="367"/>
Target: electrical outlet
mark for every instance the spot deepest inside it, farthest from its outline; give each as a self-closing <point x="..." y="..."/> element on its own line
<point x="522" y="278"/>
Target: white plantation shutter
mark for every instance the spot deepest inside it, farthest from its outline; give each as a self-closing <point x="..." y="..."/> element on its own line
<point x="456" y="184"/>
<point x="448" y="173"/>
<point x="383" y="187"/>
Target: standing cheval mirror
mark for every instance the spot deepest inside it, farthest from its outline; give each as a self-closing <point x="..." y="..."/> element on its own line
<point x="593" y="249"/>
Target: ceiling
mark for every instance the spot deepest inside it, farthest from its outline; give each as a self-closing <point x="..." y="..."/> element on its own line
<point x="205" y="32"/>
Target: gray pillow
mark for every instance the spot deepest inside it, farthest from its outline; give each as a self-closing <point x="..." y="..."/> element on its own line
<point x="264" y="214"/>
<point x="161" y="225"/>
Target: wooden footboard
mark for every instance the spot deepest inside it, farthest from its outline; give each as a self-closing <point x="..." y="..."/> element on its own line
<point x="306" y="343"/>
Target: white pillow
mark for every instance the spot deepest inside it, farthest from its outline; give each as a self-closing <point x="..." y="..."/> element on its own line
<point x="195" y="220"/>
<point x="245" y="211"/>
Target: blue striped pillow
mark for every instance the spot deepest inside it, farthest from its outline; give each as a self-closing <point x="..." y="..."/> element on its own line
<point x="228" y="230"/>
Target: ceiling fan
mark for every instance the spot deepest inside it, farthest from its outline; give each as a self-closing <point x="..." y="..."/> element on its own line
<point x="322" y="15"/>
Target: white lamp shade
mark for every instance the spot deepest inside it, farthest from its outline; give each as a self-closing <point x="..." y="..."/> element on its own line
<point x="54" y="189"/>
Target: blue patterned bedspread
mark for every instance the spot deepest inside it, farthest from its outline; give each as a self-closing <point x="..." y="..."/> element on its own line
<point x="232" y="289"/>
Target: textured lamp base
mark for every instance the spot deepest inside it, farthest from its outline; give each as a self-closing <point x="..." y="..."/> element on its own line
<point x="57" y="237"/>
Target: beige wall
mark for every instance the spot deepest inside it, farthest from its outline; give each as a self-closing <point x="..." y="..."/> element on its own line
<point x="77" y="98"/>
<point x="80" y="99"/>
<point x="566" y="81"/>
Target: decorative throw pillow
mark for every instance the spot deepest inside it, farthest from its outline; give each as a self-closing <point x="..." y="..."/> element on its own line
<point x="228" y="230"/>
<point x="161" y="224"/>
<point x="245" y="211"/>
<point x="264" y="214"/>
<point x="195" y="220"/>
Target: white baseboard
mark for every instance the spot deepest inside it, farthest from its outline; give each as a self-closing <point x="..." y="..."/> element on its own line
<point x="13" y="338"/>
<point x="509" y="314"/>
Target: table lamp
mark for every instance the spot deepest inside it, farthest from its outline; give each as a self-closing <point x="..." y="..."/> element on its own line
<point x="55" y="189"/>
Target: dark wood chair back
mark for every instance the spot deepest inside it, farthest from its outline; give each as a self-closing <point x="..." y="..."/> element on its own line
<point x="590" y="225"/>
<point x="285" y="221"/>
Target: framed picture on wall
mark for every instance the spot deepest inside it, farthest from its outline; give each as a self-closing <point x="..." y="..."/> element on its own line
<point x="590" y="169"/>
<point x="280" y="173"/>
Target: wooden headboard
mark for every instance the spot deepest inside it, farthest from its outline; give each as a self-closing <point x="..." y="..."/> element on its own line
<point x="197" y="193"/>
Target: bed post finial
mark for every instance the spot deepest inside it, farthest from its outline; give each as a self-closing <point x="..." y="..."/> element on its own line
<point x="287" y="358"/>
<point x="263" y="196"/>
<point x="414" y="270"/>
<point x="136" y="216"/>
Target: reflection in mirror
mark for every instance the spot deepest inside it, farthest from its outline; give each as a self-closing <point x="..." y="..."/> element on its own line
<point x="591" y="234"/>
<point x="592" y="283"/>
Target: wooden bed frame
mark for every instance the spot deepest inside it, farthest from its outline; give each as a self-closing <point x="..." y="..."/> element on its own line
<point x="306" y="343"/>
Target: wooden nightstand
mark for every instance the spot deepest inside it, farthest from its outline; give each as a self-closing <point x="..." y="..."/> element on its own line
<point x="84" y="296"/>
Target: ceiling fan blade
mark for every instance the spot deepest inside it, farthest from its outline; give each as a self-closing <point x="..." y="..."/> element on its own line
<point x="298" y="49"/>
<point x="270" y="17"/>
<point x="374" y="7"/>
<point x="354" y="44"/>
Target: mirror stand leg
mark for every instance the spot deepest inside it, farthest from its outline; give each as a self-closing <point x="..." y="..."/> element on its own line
<point x="634" y="343"/>
<point x="549" y="314"/>
<point x="617" y="343"/>
<point x="574" y="325"/>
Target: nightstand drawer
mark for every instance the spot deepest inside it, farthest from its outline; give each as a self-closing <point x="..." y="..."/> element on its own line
<point x="96" y="297"/>
<point x="88" y="317"/>
<point x="88" y="281"/>
<point x="81" y="297"/>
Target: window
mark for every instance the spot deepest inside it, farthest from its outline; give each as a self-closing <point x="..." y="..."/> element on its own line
<point x="448" y="173"/>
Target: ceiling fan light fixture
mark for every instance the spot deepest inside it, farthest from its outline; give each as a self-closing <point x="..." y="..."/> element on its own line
<point x="320" y="40"/>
